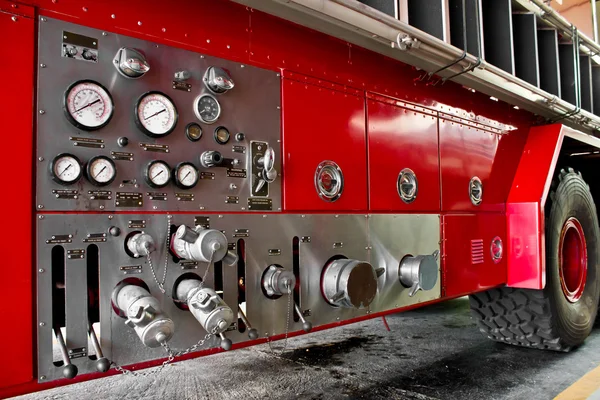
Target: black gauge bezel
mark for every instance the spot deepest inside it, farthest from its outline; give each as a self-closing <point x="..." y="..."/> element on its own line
<point x="187" y="131"/>
<point x="70" y="117"/>
<point x="197" y="101"/>
<point x="139" y="124"/>
<point x="93" y="181"/>
<point x="147" y="175"/>
<point x="217" y="139"/>
<point x="56" y="178"/>
<point x="176" y="177"/>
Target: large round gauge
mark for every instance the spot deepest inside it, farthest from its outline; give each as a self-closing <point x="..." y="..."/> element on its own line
<point x="65" y="169"/>
<point x="101" y="171"/>
<point x="155" y="114"/>
<point x="185" y="175"/>
<point x="207" y="108"/>
<point x="88" y="105"/>
<point x="157" y="174"/>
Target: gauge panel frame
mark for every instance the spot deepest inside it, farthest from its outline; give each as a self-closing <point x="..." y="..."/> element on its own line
<point x="72" y="120"/>
<point x="139" y="123"/>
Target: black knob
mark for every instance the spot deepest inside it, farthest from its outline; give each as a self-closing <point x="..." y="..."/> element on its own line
<point x="240" y="136"/>
<point x="226" y="344"/>
<point x="253" y="334"/>
<point x="114" y="230"/>
<point x="70" y="371"/>
<point x="307" y="326"/>
<point x="102" y="365"/>
<point x="122" y="141"/>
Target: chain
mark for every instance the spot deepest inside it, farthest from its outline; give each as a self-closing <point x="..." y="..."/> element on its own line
<point x="210" y="262"/>
<point x="170" y="357"/>
<point x="161" y="285"/>
<point x="287" y="327"/>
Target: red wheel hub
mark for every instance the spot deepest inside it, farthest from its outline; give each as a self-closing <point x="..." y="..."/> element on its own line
<point x="572" y="258"/>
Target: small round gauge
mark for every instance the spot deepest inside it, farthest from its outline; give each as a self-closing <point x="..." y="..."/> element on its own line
<point x="157" y="174"/>
<point x="65" y="169"/>
<point x="186" y="175"/>
<point x="88" y="105"/>
<point x="193" y="131"/>
<point x="101" y="171"/>
<point x="155" y="114"/>
<point x="222" y="135"/>
<point x="207" y="108"/>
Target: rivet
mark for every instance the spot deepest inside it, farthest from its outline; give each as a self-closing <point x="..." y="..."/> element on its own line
<point x="154" y="207"/>
<point x="164" y="29"/>
<point x="207" y="40"/>
<point x="201" y="56"/>
<point x="42" y="112"/>
<point x="228" y="46"/>
<point x="113" y="16"/>
<point x="242" y="66"/>
<point x="41" y="270"/>
<point x="220" y="216"/>
<point x="243" y="208"/>
<point x="40" y="217"/>
<point x="104" y="34"/>
<point x="279" y="108"/>
<point x="41" y="158"/>
<point x="14" y="19"/>
<point x="40" y="206"/>
<point x="264" y="216"/>
<point x="42" y="324"/>
<point x="102" y="207"/>
<point x="42" y="377"/>
<point x="44" y="19"/>
<point x="278" y="74"/>
<point x="140" y="23"/>
<point x="84" y="9"/>
<point x="110" y="217"/>
<point x="43" y="65"/>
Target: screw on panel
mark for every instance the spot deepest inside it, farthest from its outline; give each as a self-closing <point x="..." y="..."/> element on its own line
<point x="102" y="207"/>
<point x="40" y="217"/>
<point x="41" y="270"/>
<point x="110" y="217"/>
<point x="43" y="19"/>
<point x="243" y="208"/>
<point x="42" y="112"/>
<point x="43" y="65"/>
<point x="40" y="206"/>
<point x="207" y="40"/>
<point x="42" y="324"/>
<point x="84" y="9"/>
<point x="154" y="207"/>
<point x="140" y="23"/>
<point x="164" y="29"/>
<point x="14" y="19"/>
<point x="42" y="377"/>
<point x="201" y="56"/>
<point x="41" y="158"/>
<point x="104" y="34"/>
<point x="242" y="66"/>
<point x="228" y="46"/>
<point x="278" y="75"/>
<point x="220" y="216"/>
<point x="113" y="16"/>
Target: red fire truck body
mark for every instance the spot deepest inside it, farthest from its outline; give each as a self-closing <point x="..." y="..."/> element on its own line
<point x="387" y="188"/>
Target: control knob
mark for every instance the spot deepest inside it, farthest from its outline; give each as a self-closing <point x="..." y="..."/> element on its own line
<point x="419" y="272"/>
<point x="349" y="283"/>
<point x="207" y="307"/>
<point x="211" y="158"/>
<point x="268" y="173"/>
<point x="204" y="245"/>
<point x="144" y="314"/>
<point x="131" y="63"/>
<point x="217" y="80"/>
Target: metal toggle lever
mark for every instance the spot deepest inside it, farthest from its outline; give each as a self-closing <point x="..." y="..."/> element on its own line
<point x="69" y="370"/>
<point x="102" y="363"/>
<point x="252" y="333"/>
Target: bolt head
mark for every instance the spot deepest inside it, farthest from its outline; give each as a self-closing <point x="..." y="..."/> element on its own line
<point x="42" y="112"/>
<point x="41" y="270"/>
<point x="42" y="324"/>
<point x="42" y="377"/>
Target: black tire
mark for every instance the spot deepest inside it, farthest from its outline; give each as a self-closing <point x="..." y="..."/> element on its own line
<point x="546" y="319"/>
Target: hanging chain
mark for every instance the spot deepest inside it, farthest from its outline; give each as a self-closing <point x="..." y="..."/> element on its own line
<point x="170" y="357"/>
<point x="210" y="262"/>
<point x="287" y="327"/>
<point x="161" y="285"/>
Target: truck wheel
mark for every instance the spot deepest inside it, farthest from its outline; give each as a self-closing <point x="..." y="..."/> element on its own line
<point x="561" y="315"/>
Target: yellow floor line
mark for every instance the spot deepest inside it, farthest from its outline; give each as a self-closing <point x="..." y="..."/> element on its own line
<point x="583" y="388"/>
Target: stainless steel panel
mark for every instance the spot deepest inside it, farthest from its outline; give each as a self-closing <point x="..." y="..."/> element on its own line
<point x="252" y="108"/>
<point x="381" y="239"/>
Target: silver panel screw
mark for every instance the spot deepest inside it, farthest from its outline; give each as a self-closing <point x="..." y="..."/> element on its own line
<point x="40" y="206"/>
<point x="42" y="324"/>
<point x="113" y="16"/>
<point x="110" y="217"/>
<point x="44" y="19"/>
<point x="42" y="377"/>
<point x="42" y="112"/>
<point x="104" y="34"/>
<point x="41" y="158"/>
<point x="41" y="270"/>
<point x="43" y="65"/>
<point x="41" y="217"/>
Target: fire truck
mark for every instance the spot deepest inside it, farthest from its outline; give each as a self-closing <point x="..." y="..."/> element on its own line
<point x="193" y="177"/>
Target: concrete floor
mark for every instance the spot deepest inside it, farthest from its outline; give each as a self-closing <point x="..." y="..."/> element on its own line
<point x="431" y="353"/>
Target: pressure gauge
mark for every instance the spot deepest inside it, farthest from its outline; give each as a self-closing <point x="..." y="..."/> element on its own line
<point x="101" y="171"/>
<point x="157" y="174"/>
<point x="222" y="135"/>
<point x="193" y="131"/>
<point x="155" y="114"/>
<point x="207" y="108"/>
<point x="65" y="169"/>
<point x="186" y="175"/>
<point x="88" y="105"/>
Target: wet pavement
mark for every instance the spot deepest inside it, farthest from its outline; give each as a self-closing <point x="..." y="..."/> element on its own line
<point x="430" y="353"/>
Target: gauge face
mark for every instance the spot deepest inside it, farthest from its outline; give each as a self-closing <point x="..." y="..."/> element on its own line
<point x="193" y="131"/>
<point x="222" y="135"/>
<point x="65" y="169"/>
<point x="158" y="174"/>
<point x="88" y="105"/>
<point x="186" y="175"/>
<point x="155" y="114"/>
<point x="207" y="108"/>
<point x="101" y="171"/>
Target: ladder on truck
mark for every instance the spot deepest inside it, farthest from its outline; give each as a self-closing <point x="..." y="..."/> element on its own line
<point x="519" y="51"/>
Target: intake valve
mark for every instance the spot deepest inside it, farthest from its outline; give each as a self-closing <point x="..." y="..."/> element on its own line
<point x="152" y="325"/>
<point x="419" y="272"/>
<point x="140" y="244"/>
<point x="69" y="370"/>
<point x="278" y="282"/>
<point x="200" y="244"/>
<point x="207" y="307"/>
<point x="349" y="283"/>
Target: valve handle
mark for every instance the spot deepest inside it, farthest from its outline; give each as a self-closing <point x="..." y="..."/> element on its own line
<point x="69" y="370"/>
<point x="306" y="326"/>
<point x="225" y="343"/>
<point x="252" y="333"/>
<point x="102" y="363"/>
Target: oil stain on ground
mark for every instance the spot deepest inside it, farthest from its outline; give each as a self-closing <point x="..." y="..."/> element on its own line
<point x="328" y="354"/>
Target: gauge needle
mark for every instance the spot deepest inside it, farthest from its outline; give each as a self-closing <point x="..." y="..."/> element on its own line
<point x="63" y="171"/>
<point x="155" y="114"/>
<point x="102" y="170"/>
<point x="161" y="171"/>
<point x="188" y="174"/>
<point x="90" y="104"/>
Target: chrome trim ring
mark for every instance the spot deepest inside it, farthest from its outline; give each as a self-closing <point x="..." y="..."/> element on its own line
<point x="329" y="181"/>
<point x="407" y="185"/>
<point x="476" y="191"/>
